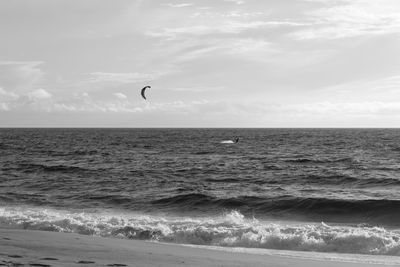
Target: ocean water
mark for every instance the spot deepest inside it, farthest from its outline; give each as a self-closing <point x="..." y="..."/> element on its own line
<point x="324" y="190"/>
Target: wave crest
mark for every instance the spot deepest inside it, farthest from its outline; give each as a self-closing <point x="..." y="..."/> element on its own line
<point x="382" y="211"/>
<point x="229" y="230"/>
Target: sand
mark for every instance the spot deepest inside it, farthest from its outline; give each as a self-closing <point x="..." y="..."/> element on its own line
<point x="38" y="248"/>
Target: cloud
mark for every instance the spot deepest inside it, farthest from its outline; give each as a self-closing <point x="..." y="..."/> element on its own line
<point x="4" y="107"/>
<point x="34" y="100"/>
<point x="179" y="5"/>
<point x="5" y="95"/>
<point x="249" y="49"/>
<point x="307" y="110"/>
<point x="345" y="110"/>
<point x="41" y="100"/>
<point x="217" y="22"/>
<point x="238" y="2"/>
<point x="6" y="98"/>
<point x="121" y="96"/>
<point x="352" y="18"/>
<point x="211" y="112"/>
<point x="246" y="45"/>
<point x="102" y="77"/>
<point x="197" y="89"/>
<point x="39" y="94"/>
<point x="223" y="27"/>
<point x="20" y="75"/>
<point x="386" y="89"/>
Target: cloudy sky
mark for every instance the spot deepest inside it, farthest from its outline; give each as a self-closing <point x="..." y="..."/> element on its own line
<point x="211" y="63"/>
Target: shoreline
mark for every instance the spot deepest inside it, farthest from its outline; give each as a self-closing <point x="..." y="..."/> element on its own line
<point x="41" y="248"/>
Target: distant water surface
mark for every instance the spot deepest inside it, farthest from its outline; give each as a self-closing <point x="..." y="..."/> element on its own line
<point x="334" y="190"/>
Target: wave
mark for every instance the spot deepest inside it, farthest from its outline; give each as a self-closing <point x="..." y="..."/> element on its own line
<point x="223" y="180"/>
<point x="272" y="167"/>
<point x="228" y="230"/>
<point x="380" y="211"/>
<point x="49" y="168"/>
<point x="335" y="179"/>
<point x="320" y="160"/>
<point x="344" y="180"/>
<point x="85" y="152"/>
<point x="204" y="152"/>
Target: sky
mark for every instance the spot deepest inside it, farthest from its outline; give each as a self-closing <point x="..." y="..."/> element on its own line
<point x="210" y="63"/>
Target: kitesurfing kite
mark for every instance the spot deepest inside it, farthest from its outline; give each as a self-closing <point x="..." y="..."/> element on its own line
<point x="143" y="90"/>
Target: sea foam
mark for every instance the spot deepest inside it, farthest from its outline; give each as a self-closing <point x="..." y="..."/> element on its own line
<point x="228" y="230"/>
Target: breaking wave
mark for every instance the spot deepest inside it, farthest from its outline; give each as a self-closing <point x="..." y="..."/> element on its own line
<point x="228" y="230"/>
<point x="380" y="211"/>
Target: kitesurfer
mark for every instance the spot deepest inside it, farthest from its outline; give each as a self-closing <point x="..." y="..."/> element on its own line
<point x="230" y="141"/>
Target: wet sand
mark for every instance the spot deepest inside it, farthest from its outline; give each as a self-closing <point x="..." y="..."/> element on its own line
<point x="38" y="248"/>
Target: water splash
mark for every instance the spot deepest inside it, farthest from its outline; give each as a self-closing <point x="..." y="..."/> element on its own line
<point x="228" y="230"/>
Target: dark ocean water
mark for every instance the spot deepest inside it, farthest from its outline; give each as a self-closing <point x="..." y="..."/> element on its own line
<point x="334" y="190"/>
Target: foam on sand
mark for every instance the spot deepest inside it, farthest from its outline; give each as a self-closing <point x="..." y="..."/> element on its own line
<point x="38" y="248"/>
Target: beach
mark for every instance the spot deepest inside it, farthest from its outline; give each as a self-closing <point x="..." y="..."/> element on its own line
<point x="200" y="133"/>
<point x="40" y="248"/>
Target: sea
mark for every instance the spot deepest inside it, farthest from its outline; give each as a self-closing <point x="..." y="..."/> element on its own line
<point x="320" y="190"/>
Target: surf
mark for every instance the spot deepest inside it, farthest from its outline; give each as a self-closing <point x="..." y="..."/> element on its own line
<point x="231" y="229"/>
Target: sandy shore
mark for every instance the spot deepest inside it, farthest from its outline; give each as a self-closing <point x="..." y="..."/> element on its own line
<point x="37" y="248"/>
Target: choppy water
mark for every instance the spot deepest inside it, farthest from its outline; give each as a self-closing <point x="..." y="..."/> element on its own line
<point x="334" y="190"/>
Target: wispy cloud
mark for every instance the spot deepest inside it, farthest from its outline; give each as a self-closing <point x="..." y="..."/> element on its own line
<point x="103" y="77"/>
<point x="306" y="112"/>
<point x="352" y="18"/>
<point x="247" y="45"/>
<point x="178" y="5"/>
<point x="121" y="96"/>
<point x="248" y="49"/>
<point x="381" y="89"/>
<point x="226" y="27"/>
<point x="238" y="2"/>
<point x="197" y="89"/>
<point x="343" y="109"/>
